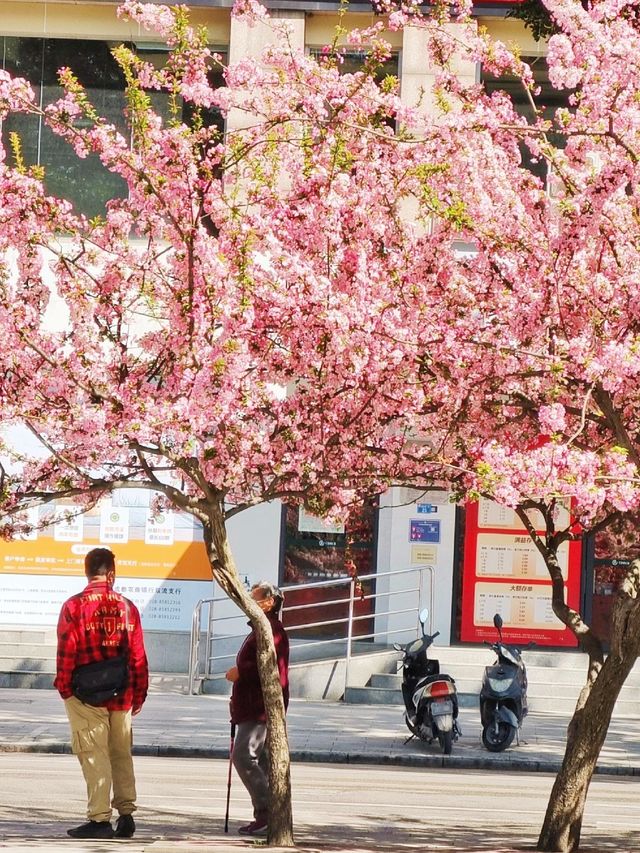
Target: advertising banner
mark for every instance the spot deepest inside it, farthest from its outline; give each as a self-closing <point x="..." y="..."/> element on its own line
<point x="503" y="572"/>
<point x="161" y="562"/>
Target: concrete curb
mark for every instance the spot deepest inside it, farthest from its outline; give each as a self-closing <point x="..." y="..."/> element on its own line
<point x="503" y="763"/>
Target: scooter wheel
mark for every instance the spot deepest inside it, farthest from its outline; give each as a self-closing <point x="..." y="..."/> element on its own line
<point x="446" y="742"/>
<point x="496" y="741"/>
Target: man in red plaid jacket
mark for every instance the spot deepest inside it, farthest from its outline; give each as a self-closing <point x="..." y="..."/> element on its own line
<point x="95" y="624"/>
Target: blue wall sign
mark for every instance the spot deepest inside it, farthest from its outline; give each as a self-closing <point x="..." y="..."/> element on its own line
<point x="424" y="531"/>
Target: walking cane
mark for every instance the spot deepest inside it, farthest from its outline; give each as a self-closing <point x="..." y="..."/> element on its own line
<point x="226" y="814"/>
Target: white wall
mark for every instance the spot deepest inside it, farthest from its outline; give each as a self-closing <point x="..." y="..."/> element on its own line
<point x="397" y="552"/>
<point x="254" y="536"/>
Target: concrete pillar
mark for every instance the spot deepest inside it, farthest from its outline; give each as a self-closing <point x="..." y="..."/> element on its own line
<point x="404" y="513"/>
<point x="246" y="40"/>
<point x="417" y="79"/>
<point x="418" y="74"/>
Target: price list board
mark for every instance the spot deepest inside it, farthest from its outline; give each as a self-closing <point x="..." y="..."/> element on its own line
<point x="503" y="572"/>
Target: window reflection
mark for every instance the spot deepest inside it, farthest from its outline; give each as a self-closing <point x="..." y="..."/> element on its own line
<point x="314" y="553"/>
<point x="84" y="182"/>
<point x="549" y="100"/>
<point x="351" y="61"/>
<point x="614" y="548"/>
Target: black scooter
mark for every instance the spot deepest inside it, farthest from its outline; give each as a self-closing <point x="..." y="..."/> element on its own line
<point x="430" y="697"/>
<point x="503" y="695"/>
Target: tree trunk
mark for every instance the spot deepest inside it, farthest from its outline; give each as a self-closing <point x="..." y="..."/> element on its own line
<point x="585" y="736"/>
<point x="280" y="811"/>
<point x="223" y="566"/>
<point x="589" y="725"/>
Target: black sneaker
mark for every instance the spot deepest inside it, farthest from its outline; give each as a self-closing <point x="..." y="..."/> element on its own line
<point x="125" y="827"/>
<point x="93" y="829"/>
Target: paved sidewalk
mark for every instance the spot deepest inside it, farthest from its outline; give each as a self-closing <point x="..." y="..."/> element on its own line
<point x="173" y="724"/>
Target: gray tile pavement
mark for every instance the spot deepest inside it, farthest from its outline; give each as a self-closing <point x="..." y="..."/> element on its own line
<point x="333" y="732"/>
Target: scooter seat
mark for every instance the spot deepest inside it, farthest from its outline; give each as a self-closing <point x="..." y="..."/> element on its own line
<point x="429" y="679"/>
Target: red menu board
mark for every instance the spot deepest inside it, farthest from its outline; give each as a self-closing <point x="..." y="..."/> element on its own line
<point x="503" y="572"/>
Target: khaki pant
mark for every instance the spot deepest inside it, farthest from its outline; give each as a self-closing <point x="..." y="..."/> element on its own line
<point x="102" y="741"/>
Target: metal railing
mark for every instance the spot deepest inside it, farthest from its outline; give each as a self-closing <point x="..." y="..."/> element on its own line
<point x="208" y="632"/>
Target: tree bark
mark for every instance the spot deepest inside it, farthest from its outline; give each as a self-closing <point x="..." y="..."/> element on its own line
<point x="280" y="833"/>
<point x="589" y="725"/>
<point x="585" y="736"/>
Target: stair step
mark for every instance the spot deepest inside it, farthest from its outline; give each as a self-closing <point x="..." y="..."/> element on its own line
<point x="26" y="679"/>
<point x="386" y="679"/>
<point x="564" y="704"/>
<point x="27" y="664"/>
<point x="385" y="696"/>
<point x="165" y="682"/>
<point x="168" y="682"/>
<point x="217" y="686"/>
<point x="27" y="659"/>
<point x="40" y="636"/>
<point x="372" y="696"/>
<point x="29" y="650"/>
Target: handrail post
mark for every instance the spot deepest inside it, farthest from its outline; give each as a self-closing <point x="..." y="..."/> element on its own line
<point x="431" y="598"/>
<point x="207" y="658"/>
<point x="424" y="569"/>
<point x="193" y="649"/>
<point x="202" y="661"/>
<point x="352" y="592"/>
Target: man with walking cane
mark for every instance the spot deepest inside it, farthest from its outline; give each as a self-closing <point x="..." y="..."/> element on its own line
<point x="248" y="752"/>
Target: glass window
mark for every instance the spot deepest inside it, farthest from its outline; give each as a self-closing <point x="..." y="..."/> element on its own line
<point x="610" y="553"/>
<point x="23" y="58"/>
<point x="549" y="100"/>
<point x="156" y="55"/>
<point x="85" y="182"/>
<point x="353" y="60"/>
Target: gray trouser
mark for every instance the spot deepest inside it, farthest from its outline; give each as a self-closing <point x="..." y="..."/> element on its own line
<point x="252" y="763"/>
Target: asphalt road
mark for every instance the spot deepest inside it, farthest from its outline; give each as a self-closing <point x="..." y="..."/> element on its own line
<point x="336" y="808"/>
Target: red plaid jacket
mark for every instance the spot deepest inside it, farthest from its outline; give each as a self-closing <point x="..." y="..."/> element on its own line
<point x="91" y="627"/>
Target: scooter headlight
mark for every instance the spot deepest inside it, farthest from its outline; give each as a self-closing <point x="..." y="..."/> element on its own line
<point x="500" y="685"/>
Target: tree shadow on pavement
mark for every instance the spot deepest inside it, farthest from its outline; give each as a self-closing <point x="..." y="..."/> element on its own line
<point x="365" y="834"/>
<point x="26" y="826"/>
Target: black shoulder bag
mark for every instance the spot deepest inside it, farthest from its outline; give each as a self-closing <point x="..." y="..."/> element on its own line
<point x="97" y="682"/>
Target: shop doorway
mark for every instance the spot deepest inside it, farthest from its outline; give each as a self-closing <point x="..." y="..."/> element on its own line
<point x="609" y="554"/>
<point x="317" y="552"/>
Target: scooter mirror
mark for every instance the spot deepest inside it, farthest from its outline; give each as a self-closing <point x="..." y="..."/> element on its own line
<point x="423" y="616"/>
<point x="397" y="647"/>
<point x="497" y="621"/>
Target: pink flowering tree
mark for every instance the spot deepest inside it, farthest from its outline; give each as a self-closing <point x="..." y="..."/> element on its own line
<point x="236" y="330"/>
<point x="280" y="312"/>
<point x="531" y="343"/>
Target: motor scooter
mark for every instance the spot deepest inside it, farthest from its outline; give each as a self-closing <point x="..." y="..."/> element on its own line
<point x="430" y="697"/>
<point x="503" y="694"/>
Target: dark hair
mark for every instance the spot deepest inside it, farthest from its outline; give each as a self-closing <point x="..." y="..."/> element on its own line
<point x="98" y="562"/>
